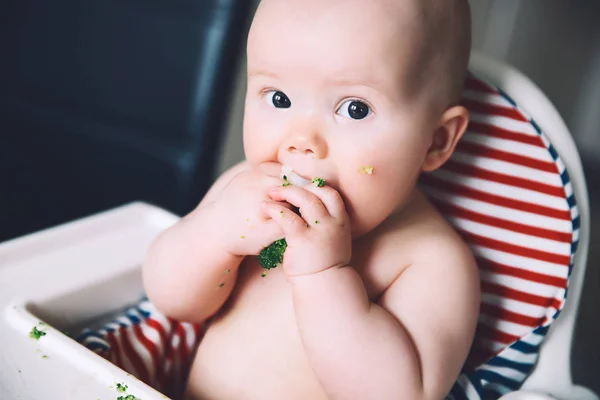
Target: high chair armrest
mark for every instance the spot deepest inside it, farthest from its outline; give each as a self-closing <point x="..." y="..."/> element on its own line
<point x="526" y="395"/>
<point x="576" y="392"/>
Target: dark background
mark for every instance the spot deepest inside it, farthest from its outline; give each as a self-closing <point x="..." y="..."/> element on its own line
<point x="103" y="102"/>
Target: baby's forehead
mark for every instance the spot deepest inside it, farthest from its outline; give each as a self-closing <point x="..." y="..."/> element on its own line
<point x="389" y="26"/>
<point x="339" y="12"/>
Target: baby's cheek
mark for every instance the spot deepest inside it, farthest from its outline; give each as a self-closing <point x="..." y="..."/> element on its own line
<point x="257" y="145"/>
<point x="364" y="196"/>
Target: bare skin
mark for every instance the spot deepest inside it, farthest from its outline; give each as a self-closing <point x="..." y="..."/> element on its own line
<point x="377" y="297"/>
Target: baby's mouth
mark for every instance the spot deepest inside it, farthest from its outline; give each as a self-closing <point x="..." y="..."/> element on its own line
<point x="291" y="177"/>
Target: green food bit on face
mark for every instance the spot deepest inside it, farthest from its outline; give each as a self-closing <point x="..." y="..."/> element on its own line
<point x="318" y="182"/>
<point x="36" y="333"/>
<point x="317" y="221"/>
<point x="222" y="284"/>
<point x="286" y="184"/>
<point x="272" y="255"/>
<point x="121" y="387"/>
<point x="227" y="271"/>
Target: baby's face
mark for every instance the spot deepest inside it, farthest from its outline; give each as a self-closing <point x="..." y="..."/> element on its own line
<point x="326" y="97"/>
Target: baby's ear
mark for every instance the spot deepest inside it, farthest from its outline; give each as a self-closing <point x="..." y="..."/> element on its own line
<point x="451" y="127"/>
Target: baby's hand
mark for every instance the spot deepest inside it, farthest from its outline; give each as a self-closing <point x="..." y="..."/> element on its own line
<point x="244" y="227"/>
<point x="319" y="238"/>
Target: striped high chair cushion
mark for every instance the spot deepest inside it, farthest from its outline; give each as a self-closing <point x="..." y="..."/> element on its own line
<point x="506" y="192"/>
<point x="147" y="344"/>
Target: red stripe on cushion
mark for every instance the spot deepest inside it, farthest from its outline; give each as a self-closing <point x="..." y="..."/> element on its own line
<point x="115" y="350"/>
<point x="493" y="109"/>
<point x="459" y="212"/>
<point x="495" y="334"/>
<point x="494" y="199"/>
<point x="183" y="349"/>
<point x="514" y="249"/>
<point x="501" y="133"/>
<point x="510" y="316"/>
<point x="151" y="347"/>
<point x="480" y="173"/>
<point x="492" y="266"/>
<point x="152" y="323"/>
<point x="503" y="291"/>
<point x="133" y="356"/>
<point x="476" y="84"/>
<point x="500" y="155"/>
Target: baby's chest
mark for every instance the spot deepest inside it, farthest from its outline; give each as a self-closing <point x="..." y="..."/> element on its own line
<point x="255" y="336"/>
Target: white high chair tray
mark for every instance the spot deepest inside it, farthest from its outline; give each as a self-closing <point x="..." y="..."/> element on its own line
<point x="67" y="277"/>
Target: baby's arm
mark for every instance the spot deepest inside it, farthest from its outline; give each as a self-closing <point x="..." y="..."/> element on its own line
<point x="410" y="345"/>
<point x="184" y="267"/>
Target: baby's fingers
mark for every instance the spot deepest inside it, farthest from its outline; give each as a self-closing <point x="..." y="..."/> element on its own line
<point x="332" y="200"/>
<point x="311" y="207"/>
<point x="291" y="223"/>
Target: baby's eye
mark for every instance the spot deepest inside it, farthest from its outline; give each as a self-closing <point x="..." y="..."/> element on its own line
<point x="354" y="109"/>
<point x="278" y="99"/>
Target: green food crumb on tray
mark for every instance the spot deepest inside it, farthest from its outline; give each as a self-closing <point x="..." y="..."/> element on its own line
<point x="128" y="397"/>
<point x="36" y="333"/>
<point x="121" y="387"/>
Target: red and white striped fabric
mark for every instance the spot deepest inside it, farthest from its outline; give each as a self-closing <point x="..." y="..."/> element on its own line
<point x="147" y="344"/>
<point x="506" y="192"/>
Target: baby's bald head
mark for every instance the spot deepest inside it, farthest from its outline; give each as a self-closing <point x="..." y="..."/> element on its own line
<point x="443" y="37"/>
<point x="427" y="40"/>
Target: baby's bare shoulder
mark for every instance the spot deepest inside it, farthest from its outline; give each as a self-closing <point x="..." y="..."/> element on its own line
<point x="425" y="237"/>
<point x="436" y="295"/>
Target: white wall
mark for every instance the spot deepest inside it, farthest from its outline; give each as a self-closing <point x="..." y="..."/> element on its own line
<point x="557" y="44"/>
<point x="554" y="42"/>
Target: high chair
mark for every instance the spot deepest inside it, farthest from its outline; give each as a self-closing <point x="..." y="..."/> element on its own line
<point x="84" y="276"/>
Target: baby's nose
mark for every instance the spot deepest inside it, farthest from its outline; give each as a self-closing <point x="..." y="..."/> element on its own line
<point x="308" y="144"/>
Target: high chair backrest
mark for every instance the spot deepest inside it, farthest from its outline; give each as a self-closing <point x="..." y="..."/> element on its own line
<point x="508" y="192"/>
<point x="552" y="373"/>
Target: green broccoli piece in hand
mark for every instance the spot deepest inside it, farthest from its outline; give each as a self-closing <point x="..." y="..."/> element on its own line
<point x="272" y="255"/>
<point x="318" y="182"/>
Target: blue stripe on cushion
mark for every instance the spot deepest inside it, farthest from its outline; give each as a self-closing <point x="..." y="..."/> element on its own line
<point x="86" y="333"/>
<point x="134" y="318"/>
<point x="564" y="177"/>
<point x="507" y="97"/>
<point x="506" y="363"/>
<point x="576" y="223"/>
<point x="537" y="128"/>
<point x="524" y="347"/>
<point x="97" y="346"/>
<point x="553" y="153"/>
<point x="145" y="314"/>
<point x="495" y="377"/>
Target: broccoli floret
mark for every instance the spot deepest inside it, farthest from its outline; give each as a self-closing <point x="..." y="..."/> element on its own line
<point x="128" y="397"/>
<point x="121" y="387"/>
<point x="36" y="333"/>
<point x="272" y="255"/>
<point x="318" y="182"/>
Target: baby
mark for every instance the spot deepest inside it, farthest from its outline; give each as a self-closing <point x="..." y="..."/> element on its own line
<point x="377" y="297"/>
